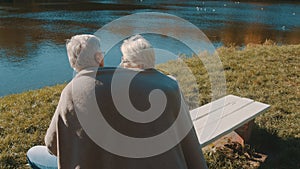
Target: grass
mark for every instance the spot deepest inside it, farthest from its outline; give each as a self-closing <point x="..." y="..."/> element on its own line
<point x="24" y="119"/>
<point x="266" y="73"/>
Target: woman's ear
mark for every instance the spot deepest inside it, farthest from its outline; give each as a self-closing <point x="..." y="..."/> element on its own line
<point x="141" y="66"/>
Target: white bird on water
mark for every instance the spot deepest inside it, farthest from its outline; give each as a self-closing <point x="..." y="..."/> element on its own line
<point x="283" y="27"/>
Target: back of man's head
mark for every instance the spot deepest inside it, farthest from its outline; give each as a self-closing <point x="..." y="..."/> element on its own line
<point x="84" y="51"/>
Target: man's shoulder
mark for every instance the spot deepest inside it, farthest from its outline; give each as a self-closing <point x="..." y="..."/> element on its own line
<point x="67" y="91"/>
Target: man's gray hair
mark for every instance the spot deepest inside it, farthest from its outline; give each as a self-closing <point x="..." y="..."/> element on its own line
<point x="138" y="52"/>
<point x="84" y="51"/>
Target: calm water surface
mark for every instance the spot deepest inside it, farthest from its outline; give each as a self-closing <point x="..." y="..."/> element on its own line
<point x="32" y="36"/>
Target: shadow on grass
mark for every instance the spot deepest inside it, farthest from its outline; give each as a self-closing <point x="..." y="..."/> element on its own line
<point x="283" y="153"/>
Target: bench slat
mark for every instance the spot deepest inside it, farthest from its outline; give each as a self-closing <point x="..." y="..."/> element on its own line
<point x="213" y="106"/>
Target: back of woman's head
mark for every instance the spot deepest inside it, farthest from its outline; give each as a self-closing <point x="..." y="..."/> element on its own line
<point x="138" y="52"/>
<point x="84" y="51"/>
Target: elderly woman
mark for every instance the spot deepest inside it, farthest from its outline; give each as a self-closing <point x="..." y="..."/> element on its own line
<point x="84" y="55"/>
<point x="138" y="55"/>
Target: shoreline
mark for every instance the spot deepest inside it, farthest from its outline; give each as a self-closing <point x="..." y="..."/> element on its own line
<point x="236" y="47"/>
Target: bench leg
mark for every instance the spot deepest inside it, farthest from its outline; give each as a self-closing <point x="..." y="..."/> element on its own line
<point x="245" y="130"/>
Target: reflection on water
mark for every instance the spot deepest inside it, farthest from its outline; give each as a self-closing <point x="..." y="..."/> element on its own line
<point x="32" y="35"/>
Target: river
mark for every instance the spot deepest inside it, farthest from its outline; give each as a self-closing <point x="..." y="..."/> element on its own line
<point x="32" y="35"/>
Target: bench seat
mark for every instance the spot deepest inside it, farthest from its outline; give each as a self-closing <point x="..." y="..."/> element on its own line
<point x="222" y="116"/>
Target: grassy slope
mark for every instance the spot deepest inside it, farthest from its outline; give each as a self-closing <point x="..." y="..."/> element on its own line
<point x="267" y="73"/>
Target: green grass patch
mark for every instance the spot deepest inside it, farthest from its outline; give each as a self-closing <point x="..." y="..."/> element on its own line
<point x="266" y="73"/>
<point x="24" y="119"/>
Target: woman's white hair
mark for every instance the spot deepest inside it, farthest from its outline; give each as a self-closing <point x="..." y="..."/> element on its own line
<point x="137" y="52"/>
<point x="84" y="51"/>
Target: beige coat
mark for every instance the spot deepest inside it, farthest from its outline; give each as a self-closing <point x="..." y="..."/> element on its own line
<point x="66" y="139"/>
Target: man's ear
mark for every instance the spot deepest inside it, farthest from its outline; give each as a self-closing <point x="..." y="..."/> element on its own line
<point x="101" y="64"/>
<point x="98" y="55"/>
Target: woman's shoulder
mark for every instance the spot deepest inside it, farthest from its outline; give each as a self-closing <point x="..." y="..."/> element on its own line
<point x="172" y="77"/>
<point x="67" y="91"/>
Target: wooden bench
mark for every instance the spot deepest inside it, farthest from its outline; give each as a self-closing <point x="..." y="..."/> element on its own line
<point x="222" y="116"/>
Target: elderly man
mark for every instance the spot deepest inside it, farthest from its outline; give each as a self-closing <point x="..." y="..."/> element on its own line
<point x="84" y="56"/>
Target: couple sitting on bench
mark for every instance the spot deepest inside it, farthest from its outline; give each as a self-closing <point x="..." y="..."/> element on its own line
<point x="138" y="103"/>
